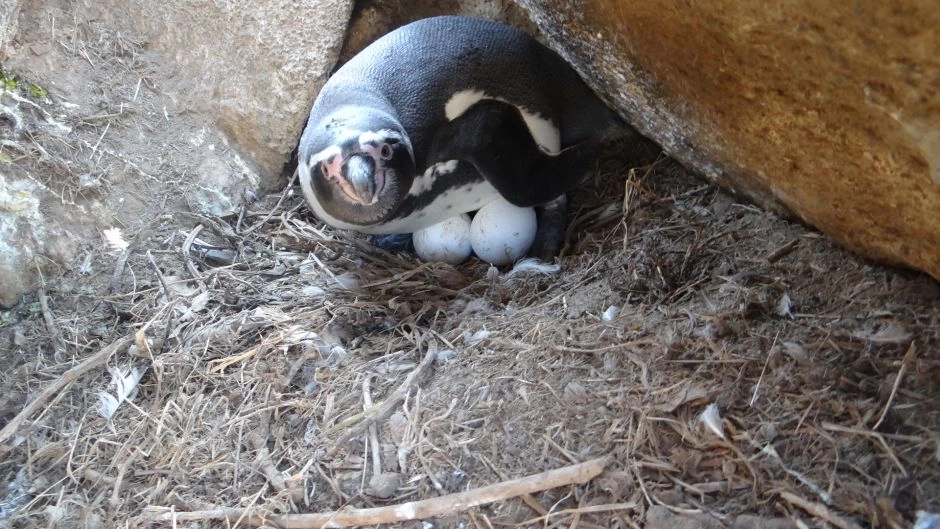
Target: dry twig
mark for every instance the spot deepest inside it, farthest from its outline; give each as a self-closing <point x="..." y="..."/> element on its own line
<point x="382" y="410"/>
<point x="908" y="358"/>
<point x="95" y="360"/>
<point x="51" y="326"/>
<point x="569" y="475"/>
<point x="819" y="511"/>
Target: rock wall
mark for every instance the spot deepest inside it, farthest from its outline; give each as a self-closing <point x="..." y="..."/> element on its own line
<point x="254" y="66"/>
<point x="827" y="109"/>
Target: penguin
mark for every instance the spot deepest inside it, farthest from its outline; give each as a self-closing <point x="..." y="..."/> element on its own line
<point x="441" y="116"/>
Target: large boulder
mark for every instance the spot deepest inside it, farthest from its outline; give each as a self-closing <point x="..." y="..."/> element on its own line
<point x="253" y="66"/>
<point x="827" y="109"/>
<point x="125" y="109"/>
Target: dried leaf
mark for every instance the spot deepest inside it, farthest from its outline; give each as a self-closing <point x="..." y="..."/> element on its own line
<point x="115" y="239"/>
<point x="711" y="418"/>
<point x="575" y="392"/>
<point x="685" y="395"/>
<point x="888" y="334"/>
<point x="125" y="383"/>
<point x="795" y="351"/>
<point x="348" y="281"/>
<point x="476" y="337"/>
<point x="445" y="356"/>
<point x="199" y="302"/>
<point x="784" y="307"/>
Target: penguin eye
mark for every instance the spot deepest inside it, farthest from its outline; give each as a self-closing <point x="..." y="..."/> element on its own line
<point x="323" y="170"/>
<point x="385" y="151"/>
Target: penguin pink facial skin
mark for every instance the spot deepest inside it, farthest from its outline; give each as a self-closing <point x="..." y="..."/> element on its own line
<point x="359" y="170"/>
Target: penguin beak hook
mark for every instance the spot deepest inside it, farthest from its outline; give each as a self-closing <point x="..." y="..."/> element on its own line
<point x="360" y="173"/>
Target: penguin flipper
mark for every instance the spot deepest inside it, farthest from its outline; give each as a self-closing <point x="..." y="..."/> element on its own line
<point x="493" y="136"/>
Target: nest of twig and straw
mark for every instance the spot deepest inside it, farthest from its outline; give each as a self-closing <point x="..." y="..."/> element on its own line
<point x="692" y="358"/>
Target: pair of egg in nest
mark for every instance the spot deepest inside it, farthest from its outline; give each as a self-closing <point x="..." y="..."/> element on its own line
<point x="499" y="233"/>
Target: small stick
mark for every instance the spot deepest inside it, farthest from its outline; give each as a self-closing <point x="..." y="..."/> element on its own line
<point x="569" y="475"/>
<point x="379" y="411"/>
<point x="97" y="359"/>
<point x="528" y="499"/>
<point x="118" y="274"/>
<point x="255" y="226"/>
<point x="115" y="499"/>
<point x="908" y="357"/>
<point x="373" y="429"/>
<point x="189" y="263"/>
<point x="121" y="262"/>
<point x="763" y="370"/>
<point x="95" y="148"/>
<point x="873" y="434"/>
<point x="153" y="263"/>
<point x="57" y="341"/>
<point x="607" y="507"/>
<point x="783" y="251"/>
<point x="258" y="439"/>
<point x="819" y="511"/>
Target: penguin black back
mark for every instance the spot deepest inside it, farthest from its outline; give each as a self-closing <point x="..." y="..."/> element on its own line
<point x="415" y="82"/>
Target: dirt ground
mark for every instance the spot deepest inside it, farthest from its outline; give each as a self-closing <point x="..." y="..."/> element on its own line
<point x="251" y="344"/>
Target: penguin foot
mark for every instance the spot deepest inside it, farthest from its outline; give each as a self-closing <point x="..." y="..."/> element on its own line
<point x="553" y="222"/>
<point x="399" y="242"/>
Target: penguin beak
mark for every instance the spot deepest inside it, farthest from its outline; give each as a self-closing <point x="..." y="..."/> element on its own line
<point x="360" y="173"/>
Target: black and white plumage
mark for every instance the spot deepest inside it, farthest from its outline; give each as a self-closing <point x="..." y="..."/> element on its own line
<point x="440" y="117"/>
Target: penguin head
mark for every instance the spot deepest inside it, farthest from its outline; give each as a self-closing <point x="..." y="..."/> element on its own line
<point x="362" y="175"/>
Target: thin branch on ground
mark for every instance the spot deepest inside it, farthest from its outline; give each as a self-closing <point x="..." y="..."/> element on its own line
<point x="569" y="475"/>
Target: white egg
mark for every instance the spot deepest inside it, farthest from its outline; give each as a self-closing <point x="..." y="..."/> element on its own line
<point x="501" y="233"/>
<point x="447" y="241"/>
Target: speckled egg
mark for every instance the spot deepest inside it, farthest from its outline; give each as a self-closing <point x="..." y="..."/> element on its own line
<point x="501" y="233"/>
<point x="447" y="241"/>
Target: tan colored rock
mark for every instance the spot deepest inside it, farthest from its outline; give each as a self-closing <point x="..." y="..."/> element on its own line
<point x="152" y="108"/>
<point x="253" y="66"/>
<point x="828" y="109"/>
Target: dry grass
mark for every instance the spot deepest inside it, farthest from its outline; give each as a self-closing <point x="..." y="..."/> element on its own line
<point x="263" y="336"/>
<point x="261" y="343"/>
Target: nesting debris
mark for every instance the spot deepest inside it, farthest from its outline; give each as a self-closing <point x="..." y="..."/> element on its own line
<point x="295" y="374"/>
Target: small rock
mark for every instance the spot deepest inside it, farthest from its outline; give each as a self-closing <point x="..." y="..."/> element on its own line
<point x="610" y="313"/>
<point x="767" y="432"/>
<point x="748" y="521"/>
<point x="445" y="356"/>
<point x="575" y="392"/>
<point x="19" y="338"/>
<point x="452" y="481"/>
<point x="396" y="425"/>
<point x="384" y="485"/>
<point x="927" y="520"/>
<point x="659" y="517"/>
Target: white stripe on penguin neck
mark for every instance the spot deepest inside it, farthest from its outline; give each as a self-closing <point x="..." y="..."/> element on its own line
<point x="545" y="133"/>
